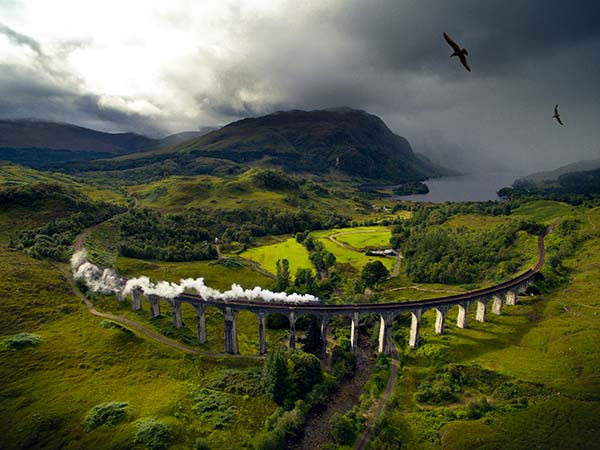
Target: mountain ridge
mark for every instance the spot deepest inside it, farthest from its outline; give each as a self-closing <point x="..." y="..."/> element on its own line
<point x="43" y="144"/>
<point x="353" y="142"/>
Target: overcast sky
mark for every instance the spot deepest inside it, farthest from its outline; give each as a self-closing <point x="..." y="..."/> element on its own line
<point x="155" y="67"/>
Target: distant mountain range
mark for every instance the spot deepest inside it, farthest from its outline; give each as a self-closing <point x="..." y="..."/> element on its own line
<point x="551" y="175"/>
<point x="342" y="140"/>
<point x="39" y="143"/>
<point x="345" y="141"/>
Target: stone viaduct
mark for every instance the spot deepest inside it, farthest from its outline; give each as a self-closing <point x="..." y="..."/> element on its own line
<point x="494" y="297"/>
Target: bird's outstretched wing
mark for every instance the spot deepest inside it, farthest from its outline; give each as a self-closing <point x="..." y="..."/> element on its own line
<point x="463" y="60"/>
<point x="556" y="109"/>
<point x="559" y="121"/>
<point x="451" y="43"/>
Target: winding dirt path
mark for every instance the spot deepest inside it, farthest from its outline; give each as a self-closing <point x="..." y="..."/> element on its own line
<point x="387" y="393"/>
<point x="397" y="265"/>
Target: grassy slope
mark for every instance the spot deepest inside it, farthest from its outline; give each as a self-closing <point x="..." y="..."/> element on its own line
<point x="47" y="391"/>
<point x="14" y="174"/>
<point x="204" y="191"/>
<point x="550" y="339"/>
<point x="544" y="211"/>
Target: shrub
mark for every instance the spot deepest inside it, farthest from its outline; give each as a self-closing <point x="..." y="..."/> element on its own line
<point x="343" y="363"/>
<point x="342" y="429"/>
<point x="21" y="340"/>
<point x="435" y="395"/>
<point x="238" y="381"/>
<point x="115" y="326"/>
<point x="152" y="434"/>
<point x="478" y="408"/>
<point x="213" y="406"/>
<point x="105" y="414"/>
<point x="202" y="444"/>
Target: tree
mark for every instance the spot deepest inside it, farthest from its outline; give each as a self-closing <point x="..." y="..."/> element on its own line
<point x="312" y="343"/>
<point x="283" y="274"/>
<point x="277" y="377"/>
<point x="373" y="273"/>
<point x="305" y="371"/>
<point x="305" y="281"/>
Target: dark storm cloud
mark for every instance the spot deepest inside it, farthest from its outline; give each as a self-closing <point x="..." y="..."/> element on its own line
<point x="406" y="35"/>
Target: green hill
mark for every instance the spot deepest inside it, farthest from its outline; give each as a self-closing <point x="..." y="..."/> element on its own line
<point x="345" y="141"/>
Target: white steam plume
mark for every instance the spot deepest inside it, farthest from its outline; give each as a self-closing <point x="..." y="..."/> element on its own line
<point x="108" y="281"/>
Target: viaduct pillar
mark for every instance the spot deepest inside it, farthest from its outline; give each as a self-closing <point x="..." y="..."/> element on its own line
<point x="136" y="299"/>
<point x="154" y="305"/>
<point x="415" y="326"/>
<point x="385" y="334"/>
<point x="201" y="321"/>
<point x="292" y="318"/>
<point x="481" y="310"/>
<point x="231" y="342"/>
<point x="440" y="319"/>
<point x="354" y="331"/>
<point x="262" y="339"/>
<point x="176" y="313"/>
<point x="324" y="322"/>
<point x="511" y="298"/>
<point x="461" y="320"/>
<point x="497" y="305"/>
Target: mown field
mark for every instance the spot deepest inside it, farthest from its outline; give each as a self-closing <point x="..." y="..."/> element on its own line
<point x="348" y="254"/>
<point x="364" y="237"/>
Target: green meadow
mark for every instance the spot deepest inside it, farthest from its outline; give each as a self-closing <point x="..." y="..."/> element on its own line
<point x="346" y="254"/>
<point x="364" y="237"/>
<point x="268" y="255"/>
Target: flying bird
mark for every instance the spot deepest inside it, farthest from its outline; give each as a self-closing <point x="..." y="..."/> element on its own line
<point x="557" y="115"/>
<point x="460" y="52"/>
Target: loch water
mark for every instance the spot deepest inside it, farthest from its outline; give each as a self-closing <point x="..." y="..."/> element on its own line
<point x="474" y="187"/>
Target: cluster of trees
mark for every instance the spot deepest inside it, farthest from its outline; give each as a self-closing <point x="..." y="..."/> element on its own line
<point x="148" y="234"/>
<point x="290" y="375"/>
<point x="573" y="187"/>
<point x="410" y="188"/>
<point x="320" y="258"/>
<point x="183" y="237"/>
<point x="53" y="240"/>
<point x="443" y="255"/>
